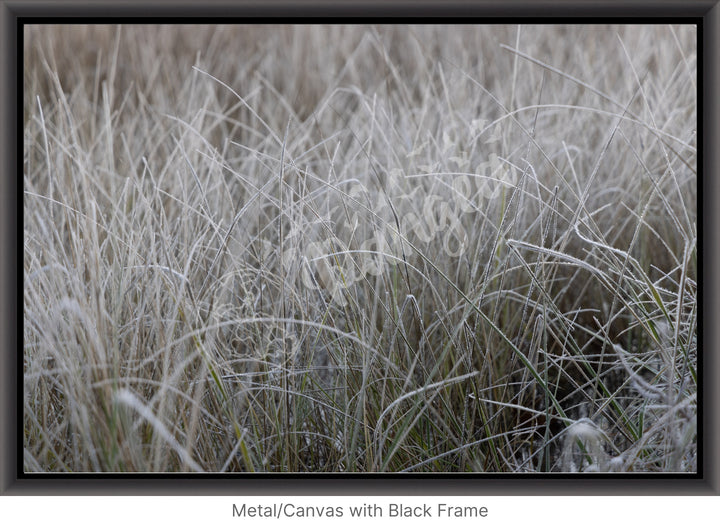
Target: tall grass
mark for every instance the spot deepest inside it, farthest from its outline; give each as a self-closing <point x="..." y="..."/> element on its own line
<point x="360" y="249"/>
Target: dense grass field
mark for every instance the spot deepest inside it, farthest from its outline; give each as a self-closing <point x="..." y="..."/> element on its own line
<point x="360" y="249"/>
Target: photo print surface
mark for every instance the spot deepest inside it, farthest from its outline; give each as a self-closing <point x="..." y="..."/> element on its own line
<point x="360" y="248"/>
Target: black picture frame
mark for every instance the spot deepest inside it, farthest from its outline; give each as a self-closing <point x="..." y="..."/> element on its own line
<point x="13" y="14"/>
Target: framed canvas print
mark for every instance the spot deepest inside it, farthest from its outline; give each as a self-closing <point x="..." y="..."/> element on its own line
<point x="304" y="246"/>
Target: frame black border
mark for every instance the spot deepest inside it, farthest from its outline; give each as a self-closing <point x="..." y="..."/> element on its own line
<point x="706" y="13"/>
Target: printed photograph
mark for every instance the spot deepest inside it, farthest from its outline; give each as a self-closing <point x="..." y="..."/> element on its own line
<point x="360" y="248"/>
